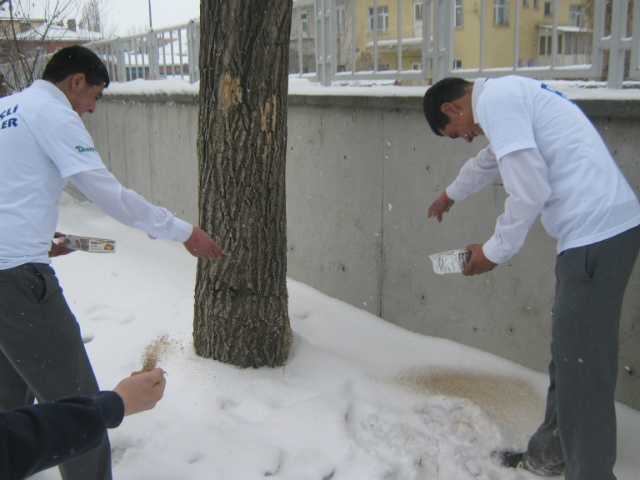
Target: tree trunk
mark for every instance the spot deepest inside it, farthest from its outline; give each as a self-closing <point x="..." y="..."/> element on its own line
<point x="241" y="314"/>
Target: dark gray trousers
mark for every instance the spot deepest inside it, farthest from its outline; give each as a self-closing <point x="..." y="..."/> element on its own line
<point x="579" y="429"/>
<point x="42" y="355"/>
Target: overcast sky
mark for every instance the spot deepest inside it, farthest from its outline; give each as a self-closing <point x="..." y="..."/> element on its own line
<point x="122" y="17"/>
<point x="125" y="15"/>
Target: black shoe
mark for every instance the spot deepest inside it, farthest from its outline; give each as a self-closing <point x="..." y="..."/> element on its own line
<point x="543" y="471"/>
<point x="508" y="459"/>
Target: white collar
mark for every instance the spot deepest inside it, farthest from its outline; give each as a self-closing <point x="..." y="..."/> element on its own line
<point x="52" y="90"/>
<point x="478" y="88"/>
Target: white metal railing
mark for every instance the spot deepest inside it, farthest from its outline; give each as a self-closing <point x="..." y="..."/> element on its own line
<point x="325" y="46"/>
<point x="437" y="31"/>
<point x="434" y="40"/>
<point x="157" y="54"/>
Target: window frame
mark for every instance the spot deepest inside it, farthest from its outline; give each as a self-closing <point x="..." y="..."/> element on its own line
<point x="560" y="44"/>
<point x="576" y="15"/>
<point x="458" y="18"/>
<point x="417" y="7"/>
<point x="501" y="7"/>
<point x="341" y="18"/>
<point x="382" y="17"/>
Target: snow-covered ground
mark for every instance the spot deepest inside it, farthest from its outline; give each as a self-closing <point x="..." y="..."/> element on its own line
<point x="359" y="398"/>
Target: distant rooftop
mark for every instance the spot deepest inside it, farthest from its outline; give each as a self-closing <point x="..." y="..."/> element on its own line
<point x="58" y="33"/>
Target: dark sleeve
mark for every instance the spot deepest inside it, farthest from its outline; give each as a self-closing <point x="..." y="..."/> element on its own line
<point x="41" y="436"/>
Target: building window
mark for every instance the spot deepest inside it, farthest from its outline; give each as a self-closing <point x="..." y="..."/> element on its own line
<point x="342" y="18"/>
<point x="501" y="12"/>
<point x="383" y="67"/>
<point x="547" y="9"/>
<point x="458" y="18"/>
<point x="536" y="3"/>
<point x="457" y="64"/>
<point x="546" y="45"/>
<point x="417" y="12"/>
<point x="304" y="21"/>
<point x="575" y="15"/>
<point x="417" y="19"/>
<point x="525" y="3"/>
<point x="574" y="43"/>
<point x="383" y="19"/>
<point x="416" y="65"/>
<point x="560" y="38"/>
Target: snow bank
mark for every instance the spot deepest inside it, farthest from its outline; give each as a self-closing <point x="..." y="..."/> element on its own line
<point x="359" y="398"/>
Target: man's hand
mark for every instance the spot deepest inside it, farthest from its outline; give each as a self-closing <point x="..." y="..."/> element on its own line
<point x="478" y="264"/>
<point x="57" y="250"/>
<point x="202" y="245"/>
<point x="442" y="205"/>
<point x="141" y="391"/>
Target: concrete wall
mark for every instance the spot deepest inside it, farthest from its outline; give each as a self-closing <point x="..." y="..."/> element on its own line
<point x="361" y="173"/>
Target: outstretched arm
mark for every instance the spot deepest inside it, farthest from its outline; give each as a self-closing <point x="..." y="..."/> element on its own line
<point x="526" y="180"/>
<point x="477" y="173"/>
<point x="40" y="436"/>
<point x="131" y="209"/>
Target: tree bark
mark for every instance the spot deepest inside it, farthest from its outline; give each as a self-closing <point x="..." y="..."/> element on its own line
<point x="241" y="301"/>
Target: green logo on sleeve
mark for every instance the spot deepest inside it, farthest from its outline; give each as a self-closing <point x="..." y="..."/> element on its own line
<point x="85" y="149"/>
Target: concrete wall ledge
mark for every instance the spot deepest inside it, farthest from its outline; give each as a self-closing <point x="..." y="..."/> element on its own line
<point x="158" y="98"/>
<point x="614" y="108"/>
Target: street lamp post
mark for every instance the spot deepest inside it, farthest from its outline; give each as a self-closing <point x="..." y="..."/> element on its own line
<point x="150" y="20"/>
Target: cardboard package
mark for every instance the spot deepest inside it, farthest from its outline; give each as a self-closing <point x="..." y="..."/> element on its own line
<point x="87" y="244"/>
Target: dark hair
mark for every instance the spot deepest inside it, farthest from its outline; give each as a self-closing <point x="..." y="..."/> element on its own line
<point x="446" y="90"/>
<point x="76" y="59"/>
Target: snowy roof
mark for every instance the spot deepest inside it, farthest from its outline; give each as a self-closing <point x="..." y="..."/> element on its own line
<point x="58" y="33"/>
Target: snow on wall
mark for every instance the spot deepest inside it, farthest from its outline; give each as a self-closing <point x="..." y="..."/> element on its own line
<point x="576" y="90"/>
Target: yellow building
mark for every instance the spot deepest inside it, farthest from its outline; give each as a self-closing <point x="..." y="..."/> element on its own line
<point x="534" y="39"/>
<point x="535" y="30"/>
